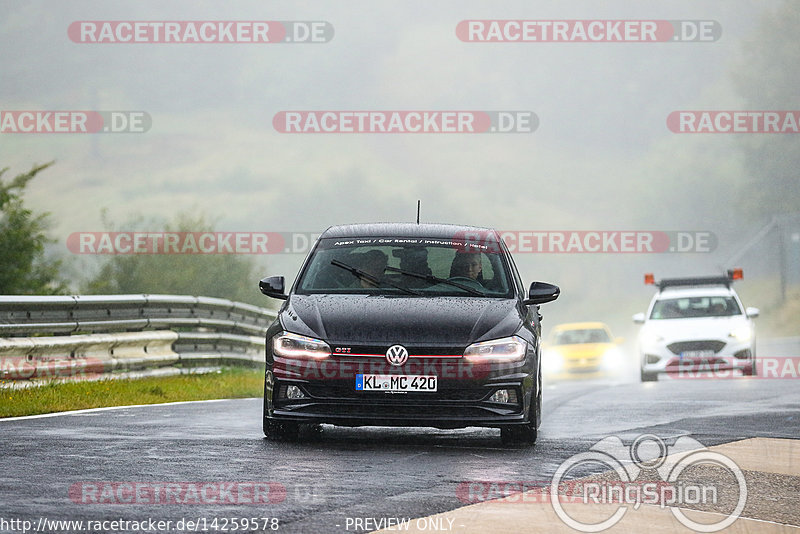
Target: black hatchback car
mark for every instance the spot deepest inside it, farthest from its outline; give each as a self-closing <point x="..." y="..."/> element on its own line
<point x="401" y="324"/>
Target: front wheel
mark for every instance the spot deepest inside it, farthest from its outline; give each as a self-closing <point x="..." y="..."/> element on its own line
<point x="648" y="377"/>
<point x="519" y="435"/>
<point x="281" y="431"/>
<point x="527" y="433"/>
<point x="277" y="430"/>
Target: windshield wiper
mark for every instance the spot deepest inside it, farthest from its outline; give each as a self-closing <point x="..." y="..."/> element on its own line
<point x="431" y="278"/>
<point x="363" y="275"/>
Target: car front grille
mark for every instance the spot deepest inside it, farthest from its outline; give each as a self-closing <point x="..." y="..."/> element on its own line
<point x="708" y="344"/>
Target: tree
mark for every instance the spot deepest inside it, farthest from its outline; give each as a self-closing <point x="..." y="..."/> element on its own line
<point x="24" y="269"/>
<point x="213" y="275"/>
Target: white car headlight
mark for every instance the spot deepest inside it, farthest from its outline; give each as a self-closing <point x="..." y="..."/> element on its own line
<point x="612" y="358"/>
<point x="288" y="345"/>
<point x="743" y="333"/>
<point x="507" y="349"/>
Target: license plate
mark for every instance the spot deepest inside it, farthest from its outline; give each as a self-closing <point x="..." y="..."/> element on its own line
<point x="697" y="354"/>
<point x="396" y="383"/>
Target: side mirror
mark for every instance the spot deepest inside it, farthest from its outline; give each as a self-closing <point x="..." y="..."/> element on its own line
<point x="638" y="318"/>
<point x="752" y="312"/>
<point x="541" y="292"/>
<point x="619" y="340"/>
<point x="274" y="287"/>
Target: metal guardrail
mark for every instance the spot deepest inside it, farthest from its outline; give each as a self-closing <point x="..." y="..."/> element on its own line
<point x="79" y="336"/>
<point x="21" y="315"/>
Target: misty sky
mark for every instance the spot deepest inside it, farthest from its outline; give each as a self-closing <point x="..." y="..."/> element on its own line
<point x="601" y="145"/>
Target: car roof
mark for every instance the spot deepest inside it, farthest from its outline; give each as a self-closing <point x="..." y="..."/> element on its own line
<point x="438" y="231"/>
<point x="581" y="326"/>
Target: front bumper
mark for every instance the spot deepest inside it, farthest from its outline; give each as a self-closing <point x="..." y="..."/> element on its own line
<point x="692" y="356"/>
<point x="460" y="401"/>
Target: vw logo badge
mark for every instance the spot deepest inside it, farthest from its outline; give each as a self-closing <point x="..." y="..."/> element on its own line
<point x="397" y="355"/>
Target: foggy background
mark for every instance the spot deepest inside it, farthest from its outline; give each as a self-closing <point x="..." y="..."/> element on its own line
<point x="602" y="157"/>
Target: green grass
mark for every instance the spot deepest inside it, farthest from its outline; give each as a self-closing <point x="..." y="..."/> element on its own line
<point x="59" y="397"/>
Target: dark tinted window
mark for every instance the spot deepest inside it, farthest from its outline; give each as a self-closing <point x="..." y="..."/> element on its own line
<point x="690" y="307"/>
<point x="396" y="261"/>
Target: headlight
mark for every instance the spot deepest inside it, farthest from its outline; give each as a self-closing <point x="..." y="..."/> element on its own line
<point x="288" y="345"/>
<point x="507" y="349"/>
<point x="552" y="361"/>
<point x="743" y="333"/>
<point x="612" y="358"/>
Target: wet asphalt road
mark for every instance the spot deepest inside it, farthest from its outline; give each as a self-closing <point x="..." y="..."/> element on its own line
<point x="328" y="481"/>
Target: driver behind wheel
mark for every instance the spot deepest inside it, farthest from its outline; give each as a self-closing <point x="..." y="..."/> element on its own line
<point x="467" y="265"/>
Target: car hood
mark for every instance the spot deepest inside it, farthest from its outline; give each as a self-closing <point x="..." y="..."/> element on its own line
<point x="363" y="319"/>
<point x="700" y="328"/>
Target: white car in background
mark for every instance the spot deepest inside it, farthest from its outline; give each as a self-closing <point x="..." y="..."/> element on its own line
<point x="695" y="325"/>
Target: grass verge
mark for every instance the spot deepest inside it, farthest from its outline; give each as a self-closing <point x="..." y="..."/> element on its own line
<point x="60" y="397"/>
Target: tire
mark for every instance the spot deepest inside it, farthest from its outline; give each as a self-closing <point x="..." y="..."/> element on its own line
<point x="753" y="369"/>
<point x="527" y="433"/>
<point x="648" y="377"/>
<point x="524" y="435"/>
<point x="281" y="430"/>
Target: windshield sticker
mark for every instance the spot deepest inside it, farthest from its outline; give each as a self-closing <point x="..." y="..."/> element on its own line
<point x="405" y="241"/>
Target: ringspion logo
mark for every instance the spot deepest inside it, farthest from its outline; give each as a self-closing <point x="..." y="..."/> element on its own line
<point x="626" y="462"/>
<point x="192" y="32"/>
<point x="732" y="122"/>
<point x="405" y="122"/>
<point x="588" y="31"/>
<point x="81" y="122"/>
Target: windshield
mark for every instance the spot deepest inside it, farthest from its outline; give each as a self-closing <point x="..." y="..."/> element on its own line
<point x="692" y="307"/>
<point x="411" y="266"/>
<point x="574" y="337"/>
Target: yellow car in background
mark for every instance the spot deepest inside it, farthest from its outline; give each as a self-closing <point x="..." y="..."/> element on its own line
<point x="582" y="349"/>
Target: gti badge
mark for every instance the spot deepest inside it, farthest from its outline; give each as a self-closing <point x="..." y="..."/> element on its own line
<point x="397" y="355"/>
